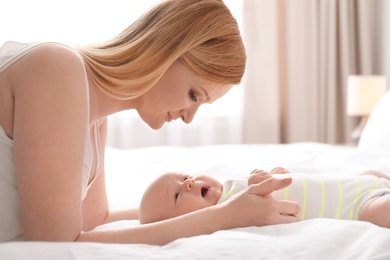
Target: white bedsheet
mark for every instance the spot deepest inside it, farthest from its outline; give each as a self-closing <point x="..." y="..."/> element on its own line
<point x="130" y="171"/>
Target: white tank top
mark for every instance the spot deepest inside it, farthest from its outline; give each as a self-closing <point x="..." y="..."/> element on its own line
<point x="10" y="220"/>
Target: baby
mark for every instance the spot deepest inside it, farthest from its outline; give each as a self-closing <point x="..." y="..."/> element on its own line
<point x="360" y="197"/>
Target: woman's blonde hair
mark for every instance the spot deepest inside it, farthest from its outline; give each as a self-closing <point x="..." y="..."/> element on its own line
<point x="203" y="34"/>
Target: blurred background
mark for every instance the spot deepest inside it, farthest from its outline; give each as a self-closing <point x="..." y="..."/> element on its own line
<point x="300" y="55"/>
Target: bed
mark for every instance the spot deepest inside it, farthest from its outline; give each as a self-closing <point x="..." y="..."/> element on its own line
<point x="310" y="239"/>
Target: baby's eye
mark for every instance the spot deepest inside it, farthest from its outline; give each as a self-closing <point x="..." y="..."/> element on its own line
<point x="193" y="95"/>
<point x="176" y="196"/>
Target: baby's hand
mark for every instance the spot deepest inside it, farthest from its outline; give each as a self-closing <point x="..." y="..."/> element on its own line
<point x="258" y="176"/>
<point x="279" y="170"/>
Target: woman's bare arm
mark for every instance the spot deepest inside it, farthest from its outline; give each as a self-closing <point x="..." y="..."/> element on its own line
<point x="95" y="206"/>
<point x="248" y="208"/>
<point x="50" y="129"/>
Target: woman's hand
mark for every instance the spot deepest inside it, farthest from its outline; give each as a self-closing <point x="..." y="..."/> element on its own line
<point x="254" y="206"/>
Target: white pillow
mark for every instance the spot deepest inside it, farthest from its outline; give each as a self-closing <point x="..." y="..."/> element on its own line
<point x="376" y="133"/>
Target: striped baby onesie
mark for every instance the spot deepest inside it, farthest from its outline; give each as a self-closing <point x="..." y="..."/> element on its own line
<point x="322" y="196"/>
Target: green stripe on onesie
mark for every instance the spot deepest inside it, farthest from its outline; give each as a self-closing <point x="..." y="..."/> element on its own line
<point x="322" y="195"/>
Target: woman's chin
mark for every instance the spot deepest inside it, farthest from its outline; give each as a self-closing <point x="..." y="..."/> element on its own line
<point x="156" y="126"/>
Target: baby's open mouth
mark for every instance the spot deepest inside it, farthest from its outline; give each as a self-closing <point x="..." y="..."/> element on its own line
<point x="204" y="191"/>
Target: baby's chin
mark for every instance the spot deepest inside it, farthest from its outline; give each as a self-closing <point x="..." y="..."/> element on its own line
<point x="217" y="195"/>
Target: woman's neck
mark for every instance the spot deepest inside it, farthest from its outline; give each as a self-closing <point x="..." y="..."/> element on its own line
<point x="102" y="105"/>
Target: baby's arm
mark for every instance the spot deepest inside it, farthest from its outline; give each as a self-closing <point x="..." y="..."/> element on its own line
<point x="377" y="174"/>
<point x="376" y="210"/>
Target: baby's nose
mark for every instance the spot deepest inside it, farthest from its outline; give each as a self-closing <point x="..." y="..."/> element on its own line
<point x="189" y="184"/>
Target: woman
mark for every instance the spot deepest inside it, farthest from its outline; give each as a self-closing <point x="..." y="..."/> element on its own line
<point x="54" y="101"/>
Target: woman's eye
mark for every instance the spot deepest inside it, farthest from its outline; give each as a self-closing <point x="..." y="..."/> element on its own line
<point x="193" y="95"/>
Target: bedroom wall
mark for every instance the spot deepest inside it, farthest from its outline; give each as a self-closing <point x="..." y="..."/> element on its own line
<point x="300" y="55"/>
<point x="382" y="37"/>
<point x="72" y="22"/>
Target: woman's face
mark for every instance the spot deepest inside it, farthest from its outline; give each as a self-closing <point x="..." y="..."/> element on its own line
<point x="178" y="94"/>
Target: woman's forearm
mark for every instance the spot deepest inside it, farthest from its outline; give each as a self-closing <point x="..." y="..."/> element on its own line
<point x="205" y="221"/>
<point x="250" y="207"/>
<point x="121" y="214"/>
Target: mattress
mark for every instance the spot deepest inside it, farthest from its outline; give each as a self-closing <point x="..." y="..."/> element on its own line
<point x="128" y="173"/>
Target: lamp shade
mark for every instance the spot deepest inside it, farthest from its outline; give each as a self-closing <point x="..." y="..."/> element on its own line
<point x="364" y="91"/>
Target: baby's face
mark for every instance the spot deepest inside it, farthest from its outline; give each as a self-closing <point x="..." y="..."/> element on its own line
<point x="175" y="194"/>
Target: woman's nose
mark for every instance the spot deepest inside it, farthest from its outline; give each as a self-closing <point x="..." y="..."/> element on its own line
<point x="187" y="115"/>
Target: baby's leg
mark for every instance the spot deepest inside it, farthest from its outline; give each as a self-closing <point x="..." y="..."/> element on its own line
<point x="377" y="211"/>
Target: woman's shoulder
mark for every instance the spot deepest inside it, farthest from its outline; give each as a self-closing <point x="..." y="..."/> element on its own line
<point x="17" y="50"/>
<point x="51" y="72"/>
<point x="51" y="64"/>
<point x="56" y="55"/>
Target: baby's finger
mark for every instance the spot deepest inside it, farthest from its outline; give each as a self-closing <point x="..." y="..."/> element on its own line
<point x="270" y="185"/>
<point x="258" y="176"/>
<point x="279" y="170"/>
<point x="258" y="171"/>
